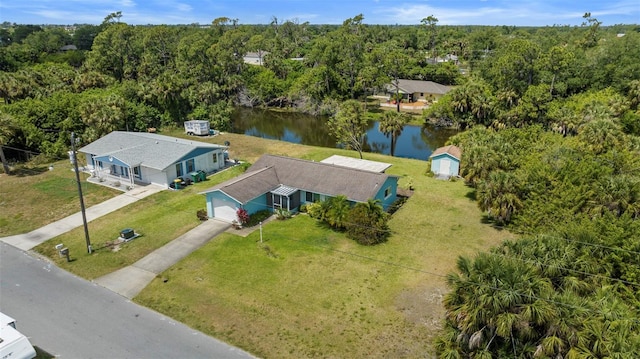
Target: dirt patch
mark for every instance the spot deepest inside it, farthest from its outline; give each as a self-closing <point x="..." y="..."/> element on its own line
<point x="423" y="306"/>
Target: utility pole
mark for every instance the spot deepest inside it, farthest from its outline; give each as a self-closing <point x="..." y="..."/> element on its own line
<point x="74" y="159"/>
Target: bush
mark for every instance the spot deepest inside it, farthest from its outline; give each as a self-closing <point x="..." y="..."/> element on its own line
<point x="202" y="215"/>
<point x="367" y="224"/>
<point x="243" y="216"/>
<point x="283" y="214"/>
<point x="258" y="217"/>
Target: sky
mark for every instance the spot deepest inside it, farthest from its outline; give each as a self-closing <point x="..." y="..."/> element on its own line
<point x="388" y="12"/>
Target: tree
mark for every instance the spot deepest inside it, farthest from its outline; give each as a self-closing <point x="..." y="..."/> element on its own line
<point x="102" y="113"/>
<point x="338" y="213"/>
<point x="430" y="23"/>
<point x="349" y="125"/>
<point x="392" y="124"/>
<point x="498" y="195"/>
<point x="367" y="223"/>
<point x="7" y="128"/>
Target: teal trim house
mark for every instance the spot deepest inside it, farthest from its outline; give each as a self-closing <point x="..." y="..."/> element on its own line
<point x="282" y="182"/>
<point x="445" y="161"/>
<point x="137" y="157"/>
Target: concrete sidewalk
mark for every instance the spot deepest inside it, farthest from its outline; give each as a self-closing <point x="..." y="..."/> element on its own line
<point x="129" y="281"/>
<point x="29" y="240"/>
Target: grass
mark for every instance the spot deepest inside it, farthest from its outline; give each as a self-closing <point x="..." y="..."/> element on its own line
<point x="34" y="196"/>
<point x="306" y="291"/>
<point x="158" y="218"/>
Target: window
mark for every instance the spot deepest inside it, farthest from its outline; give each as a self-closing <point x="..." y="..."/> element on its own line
<point x="191" y="165"/>
<point x="421" y="94"/>
<point x="312" y="197"/>
<point x="178" y="169"/>
<point x="136" y="171"/>
<point x="215" y="157"/>
<point x="387" y="192"/>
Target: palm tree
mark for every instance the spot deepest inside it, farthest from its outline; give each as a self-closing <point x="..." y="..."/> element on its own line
<point x="391" y="125"/>
<point x="498" y="195"/>
<point x="7" y="128"/>
<point x="338" y="212"/>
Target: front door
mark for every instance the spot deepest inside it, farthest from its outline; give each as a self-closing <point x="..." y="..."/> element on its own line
<point x="445" y="166"/>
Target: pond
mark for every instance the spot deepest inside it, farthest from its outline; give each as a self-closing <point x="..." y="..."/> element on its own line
<point x="415" y="141"/>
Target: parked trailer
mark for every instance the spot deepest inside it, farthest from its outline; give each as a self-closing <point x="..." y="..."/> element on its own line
<point x="13" y="344"/>
<point x="198" y="128"/>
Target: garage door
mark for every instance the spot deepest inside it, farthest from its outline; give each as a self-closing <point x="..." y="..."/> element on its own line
<point x="224" y="210"/>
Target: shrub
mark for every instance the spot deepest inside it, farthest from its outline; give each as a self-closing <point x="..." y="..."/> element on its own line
<point x="243" y="216"/>
<point x="368" y="223"/>
<point x="283" y="214"/>
<point x="202" y="215"/>
<point x="258" y="217"/>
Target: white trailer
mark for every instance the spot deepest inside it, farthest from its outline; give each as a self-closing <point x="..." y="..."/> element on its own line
<point x="13" y="344"/>
<point x="197" y="127"/>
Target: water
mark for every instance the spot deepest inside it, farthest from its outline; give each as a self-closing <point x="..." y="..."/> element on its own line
<point x="415" y="141"/>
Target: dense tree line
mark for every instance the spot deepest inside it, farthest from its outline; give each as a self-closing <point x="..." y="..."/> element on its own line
<point x="154" y="76"/>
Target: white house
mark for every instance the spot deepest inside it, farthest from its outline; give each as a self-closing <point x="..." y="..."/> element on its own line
<point x="150" y="158"/>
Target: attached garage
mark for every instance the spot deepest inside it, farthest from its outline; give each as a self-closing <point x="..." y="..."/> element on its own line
<point x="224" y="209"/>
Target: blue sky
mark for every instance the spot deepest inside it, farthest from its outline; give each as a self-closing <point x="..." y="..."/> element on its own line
<point x="464" y="12"/>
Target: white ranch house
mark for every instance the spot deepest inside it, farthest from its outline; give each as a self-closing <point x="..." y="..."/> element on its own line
<point x="146" y="158"/>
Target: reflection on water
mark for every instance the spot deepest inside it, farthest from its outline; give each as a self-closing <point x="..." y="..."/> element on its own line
<point x="414" y="142"/>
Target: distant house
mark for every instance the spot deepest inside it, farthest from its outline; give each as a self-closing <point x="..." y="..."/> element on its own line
<point x="415" y="90"/>
<point x="445" y="161"/>
<point x="149" y="158"/>
<point x="68" y="48"/>
<point x="255" y="58"/>
<point x="282" y="182"/>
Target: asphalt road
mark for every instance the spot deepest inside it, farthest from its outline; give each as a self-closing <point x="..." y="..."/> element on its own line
<point x="70" y="317"/>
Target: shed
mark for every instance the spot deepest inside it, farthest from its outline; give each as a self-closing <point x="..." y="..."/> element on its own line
<point x="445" y="161"/>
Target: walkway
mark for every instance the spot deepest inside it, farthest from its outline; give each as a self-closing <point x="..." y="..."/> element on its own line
<point x="29" y="240"/>
<point x="129" y="281"/>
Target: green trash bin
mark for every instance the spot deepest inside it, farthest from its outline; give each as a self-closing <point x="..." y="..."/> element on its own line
<point x="202" y="174"/>
<point x="195" y="176"/>
<point x="176" y="183"/>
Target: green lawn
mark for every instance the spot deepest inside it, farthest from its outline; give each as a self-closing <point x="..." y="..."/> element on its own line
<point x="158" y="218"/>
<point x="34" y="196"/>
<point x="311" y="292"/>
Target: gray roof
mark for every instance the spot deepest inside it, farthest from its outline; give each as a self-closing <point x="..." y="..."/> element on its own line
<point x="270" y="172"/>
<point x="146" y="149"/>
<point x="413" y="86"/>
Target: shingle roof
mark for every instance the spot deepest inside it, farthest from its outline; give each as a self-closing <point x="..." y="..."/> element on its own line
<point x="454" y="151"/>
<point x="269" y="172"/>
<point x="147" y="149"/>
<point x="413" y="86"/>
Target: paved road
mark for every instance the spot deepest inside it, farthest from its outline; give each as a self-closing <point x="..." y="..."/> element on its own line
<point x="72" y="318"/>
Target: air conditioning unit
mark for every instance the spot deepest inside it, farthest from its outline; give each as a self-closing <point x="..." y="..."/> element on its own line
<point x="127" y="233"/>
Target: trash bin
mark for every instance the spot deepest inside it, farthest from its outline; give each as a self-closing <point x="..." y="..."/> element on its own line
<point x="195" y="176"/>
<point x="176" y="182"/>
<point x="202" y="174"/>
